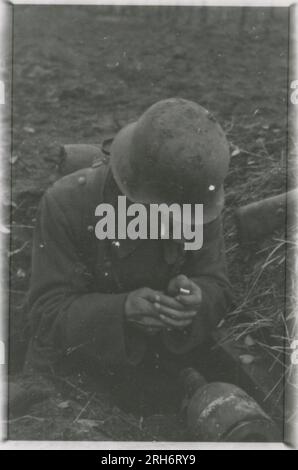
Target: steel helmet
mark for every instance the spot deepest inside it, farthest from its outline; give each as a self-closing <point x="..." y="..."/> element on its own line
<point x="175" y="153"/>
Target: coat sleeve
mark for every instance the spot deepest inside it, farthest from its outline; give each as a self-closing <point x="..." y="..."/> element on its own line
<point x="207" y="267"/>
<point x="64" y="314"/>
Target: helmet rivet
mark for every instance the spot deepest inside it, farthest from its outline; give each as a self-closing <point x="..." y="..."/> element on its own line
<point x="211" y="187"/>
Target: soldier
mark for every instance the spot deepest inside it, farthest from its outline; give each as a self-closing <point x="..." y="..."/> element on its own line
<point x="117" y="300"/>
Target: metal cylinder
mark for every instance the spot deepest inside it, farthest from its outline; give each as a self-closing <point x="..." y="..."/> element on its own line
<point x="75" y="157"/>
<point x="261" y="218"/>
<point x="222" y="412"/>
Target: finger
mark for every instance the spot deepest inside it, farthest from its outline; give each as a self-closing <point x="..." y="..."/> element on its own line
<point x="149" y="321"/>
<point x="148" y="308"/>
<point x="191" y="300"/>
<point x="148" y="311"/>
<point x="150" y="294"/>
<point x="175" y="323"/>
<point x="188" y="285"/>
<point x="168" y="301"/>
<point x="183" y="281"/>
<point x="179" y="281"/>
<point x="180" y="315"/>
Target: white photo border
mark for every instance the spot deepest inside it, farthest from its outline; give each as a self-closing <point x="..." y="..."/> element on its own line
<point x="291" y="434"/>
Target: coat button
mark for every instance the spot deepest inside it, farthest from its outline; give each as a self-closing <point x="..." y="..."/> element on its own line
<point x="108" y="263"/>
<point x="82" y="180"/>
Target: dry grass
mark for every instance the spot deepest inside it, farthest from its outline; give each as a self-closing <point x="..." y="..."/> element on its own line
<point x="262" y="272"/>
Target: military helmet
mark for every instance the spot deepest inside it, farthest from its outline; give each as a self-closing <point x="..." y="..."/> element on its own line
<point x="175" y="153"/>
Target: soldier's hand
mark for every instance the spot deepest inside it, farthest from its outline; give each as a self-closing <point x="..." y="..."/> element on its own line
<point x="178" y="309"/>
<point x="140" y="310"/>
<point x="185" y="290"/>
<point x="149" y="325"/>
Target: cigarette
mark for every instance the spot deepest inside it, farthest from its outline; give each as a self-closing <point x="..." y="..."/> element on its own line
<point x="184" y="291"/>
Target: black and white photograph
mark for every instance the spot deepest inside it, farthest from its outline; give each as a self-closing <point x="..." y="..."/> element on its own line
<point x="148" y="232"/>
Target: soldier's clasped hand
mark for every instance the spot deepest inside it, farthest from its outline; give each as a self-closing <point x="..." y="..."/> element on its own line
<point x="140" y="310"/>
<point x="181" y="304"/>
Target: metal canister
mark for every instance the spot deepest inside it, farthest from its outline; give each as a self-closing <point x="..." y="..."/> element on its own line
<point x="222" y="412"/>
<point x="75" y="157"/>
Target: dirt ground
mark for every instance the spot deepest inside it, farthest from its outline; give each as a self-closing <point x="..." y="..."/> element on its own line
<point x="79" y="74"/>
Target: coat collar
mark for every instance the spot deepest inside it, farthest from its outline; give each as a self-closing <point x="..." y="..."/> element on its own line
<point x="123" y="248"/>
<point x="110" y="193"/>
